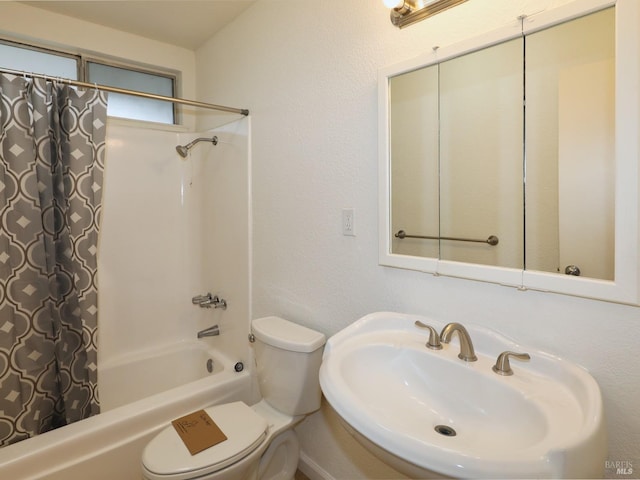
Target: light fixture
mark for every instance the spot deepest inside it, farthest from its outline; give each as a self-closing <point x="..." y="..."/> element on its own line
<point x="408" y="12"/>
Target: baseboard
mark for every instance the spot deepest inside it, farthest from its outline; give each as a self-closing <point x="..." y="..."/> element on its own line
<point x="311" y="469"/>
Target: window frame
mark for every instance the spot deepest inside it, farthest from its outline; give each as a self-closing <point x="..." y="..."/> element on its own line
<point x="47" y="50"/>
<point x="82" y="68"/>
<point x="171" y="75"/>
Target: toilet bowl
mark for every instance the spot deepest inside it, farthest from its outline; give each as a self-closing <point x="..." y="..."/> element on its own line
<point x="261" y="443"/>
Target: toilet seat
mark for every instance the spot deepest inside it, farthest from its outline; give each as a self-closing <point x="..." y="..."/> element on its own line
<point x="166" y="457"/>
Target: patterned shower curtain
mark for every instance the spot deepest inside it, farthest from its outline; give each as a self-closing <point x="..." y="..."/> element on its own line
<point x="52" y="144"/>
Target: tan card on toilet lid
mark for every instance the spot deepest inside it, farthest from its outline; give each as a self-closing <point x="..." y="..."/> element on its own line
<point x="198" y="431"/>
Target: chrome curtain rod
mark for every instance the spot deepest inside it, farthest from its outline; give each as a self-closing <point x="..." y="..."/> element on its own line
<point x="491" y="240"/>
<point x="124" y="91"/>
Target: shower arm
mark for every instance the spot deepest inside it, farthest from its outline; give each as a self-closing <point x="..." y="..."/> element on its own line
<point x="183" y="150"/>
<point x="213" y="140"/>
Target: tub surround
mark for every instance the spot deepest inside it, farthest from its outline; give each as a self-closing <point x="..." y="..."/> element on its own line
<point x="177" y="214"/>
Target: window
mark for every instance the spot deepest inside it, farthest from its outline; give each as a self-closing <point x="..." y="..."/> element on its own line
<point x="127" y="106"/>
<point x="26" y="58"/>
<point x="29" y="59"/>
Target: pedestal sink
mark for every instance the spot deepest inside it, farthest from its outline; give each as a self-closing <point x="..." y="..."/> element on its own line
<point x="430" y="414"/>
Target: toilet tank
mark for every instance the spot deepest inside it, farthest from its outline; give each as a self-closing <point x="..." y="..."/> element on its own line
<point x="288" y="358"/>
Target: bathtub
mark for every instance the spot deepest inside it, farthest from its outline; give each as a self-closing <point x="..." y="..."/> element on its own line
<point x="140" y="395"/>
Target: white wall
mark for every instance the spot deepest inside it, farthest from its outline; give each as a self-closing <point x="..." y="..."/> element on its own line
<point x="307" y="71"/>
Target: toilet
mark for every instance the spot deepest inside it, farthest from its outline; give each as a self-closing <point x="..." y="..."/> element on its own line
<point x="261" y="443"/>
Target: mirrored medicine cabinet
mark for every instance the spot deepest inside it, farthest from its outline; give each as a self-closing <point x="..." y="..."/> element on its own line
<point x="513" y="158"/>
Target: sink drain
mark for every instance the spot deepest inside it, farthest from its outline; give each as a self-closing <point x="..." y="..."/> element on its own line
<point x="445" y="430"/>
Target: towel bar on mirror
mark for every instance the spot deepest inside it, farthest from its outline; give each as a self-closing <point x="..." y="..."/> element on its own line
<point x="491" y="240"/>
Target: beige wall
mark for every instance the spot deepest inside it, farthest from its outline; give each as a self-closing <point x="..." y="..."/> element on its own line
<point x="308" y="72"/>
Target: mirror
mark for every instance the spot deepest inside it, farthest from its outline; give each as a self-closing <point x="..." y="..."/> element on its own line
<point x="477" y="183"/>
<point x="570" y="150"/>
<point x="414" y="127"/>
<point x="481" y="155"/>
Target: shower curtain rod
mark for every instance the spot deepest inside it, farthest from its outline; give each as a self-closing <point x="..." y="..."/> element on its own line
<point x="135" y="93"/>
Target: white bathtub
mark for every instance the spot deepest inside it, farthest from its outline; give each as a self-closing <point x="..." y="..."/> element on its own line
<point x="148" y="372"/>
<point x="140" y="395"/>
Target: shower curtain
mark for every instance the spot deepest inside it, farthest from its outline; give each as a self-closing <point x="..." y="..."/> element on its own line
<point x="52" y="144"/>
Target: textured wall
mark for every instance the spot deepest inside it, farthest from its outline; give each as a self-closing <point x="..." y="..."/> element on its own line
<point x="308" y="72"/>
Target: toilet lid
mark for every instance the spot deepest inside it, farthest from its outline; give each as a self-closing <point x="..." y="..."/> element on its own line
<point x="166" y="455"/>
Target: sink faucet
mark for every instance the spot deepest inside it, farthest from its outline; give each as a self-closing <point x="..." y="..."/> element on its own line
<point x="209" y="332"/>
<point x="467" y="352"/>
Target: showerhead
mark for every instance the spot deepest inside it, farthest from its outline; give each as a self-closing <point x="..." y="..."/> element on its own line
<point x="183" y="150"/>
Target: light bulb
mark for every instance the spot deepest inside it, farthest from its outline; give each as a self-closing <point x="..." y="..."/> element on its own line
<point x="393" y="3"/>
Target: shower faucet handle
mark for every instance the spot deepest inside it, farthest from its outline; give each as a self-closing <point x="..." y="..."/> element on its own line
<point x="215" y="302"/>
<point x="200" y="299"/>
<point x="209" y="301"/>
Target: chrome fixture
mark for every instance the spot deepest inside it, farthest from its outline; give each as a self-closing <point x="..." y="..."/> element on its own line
<point x="198" y="299"/>
<point x="467" y="352"/>
<point x="408" y="12"/>
<point x="183" y="150"/>
<point x="209" y="332"/>
<point x="217" y="302"/>
<point x="434" y="338"/>
<point x="503" y="367"/>
<point x="209" y="301"/>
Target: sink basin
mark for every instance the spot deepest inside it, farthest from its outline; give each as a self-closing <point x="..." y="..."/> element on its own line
<point x="428" y="413"/>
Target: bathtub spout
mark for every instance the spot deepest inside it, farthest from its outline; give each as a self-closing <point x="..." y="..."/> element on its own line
<point x="209" y="332"/>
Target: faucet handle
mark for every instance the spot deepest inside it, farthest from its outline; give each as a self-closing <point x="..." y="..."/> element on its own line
<point x="209" y="301"/>
<point x="199" y="299"/>
<point x="434" y="338"/>
<point x="503" y="367"/>
<point x="219" y="303"/>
